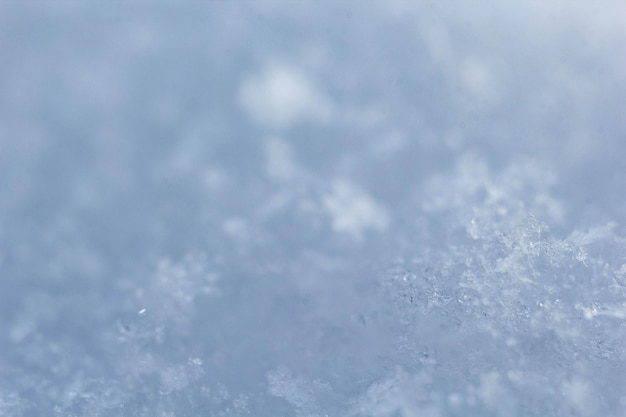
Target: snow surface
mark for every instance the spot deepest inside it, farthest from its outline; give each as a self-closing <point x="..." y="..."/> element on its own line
<point x="274" y="208"/>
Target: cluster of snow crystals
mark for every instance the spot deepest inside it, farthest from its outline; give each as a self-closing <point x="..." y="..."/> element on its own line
<point x="504" y="301"/>
<point x="148" y="351"/>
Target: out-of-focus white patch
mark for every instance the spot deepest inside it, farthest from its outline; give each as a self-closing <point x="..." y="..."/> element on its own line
<point x="579" y="394"/>
<point x="236" y="228"/>
<point x="280" y="96"/>
<point x="493" y="393"/>
<point x="477" y="78"/>
<point x="474" y="180"/>
<point x="279" y="161"/>
<point x="437" y="40"/>
<point x="98" y="84"/>
<point x="143" y="37"/>
<point x="10" y="403"/>
<point x="213" y="178"/>
<point x="455" y="139"/>
<point x="353" y="211"/>
<point x="367" y="117"/>
<point x="389" y="144"/>
<point x="166" y="110"/>
<point x="592" y="235"/>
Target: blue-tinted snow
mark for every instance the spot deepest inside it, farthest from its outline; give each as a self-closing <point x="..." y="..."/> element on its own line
<point x="301" y="209"/>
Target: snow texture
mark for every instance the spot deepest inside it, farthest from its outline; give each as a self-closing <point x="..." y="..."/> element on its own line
<point x="352" y="209"/>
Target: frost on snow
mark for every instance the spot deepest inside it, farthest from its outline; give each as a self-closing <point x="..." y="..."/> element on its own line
<point x="366" y="209"/>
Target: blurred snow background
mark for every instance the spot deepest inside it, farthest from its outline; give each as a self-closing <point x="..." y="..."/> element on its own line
<point x="308" y="209"/>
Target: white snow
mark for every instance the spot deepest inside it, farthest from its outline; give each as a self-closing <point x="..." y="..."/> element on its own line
<point x="353" y="211"/>
<point x="280" y="95"/>
<point x="383" y="209"/>
<point x="280" y="162"/>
